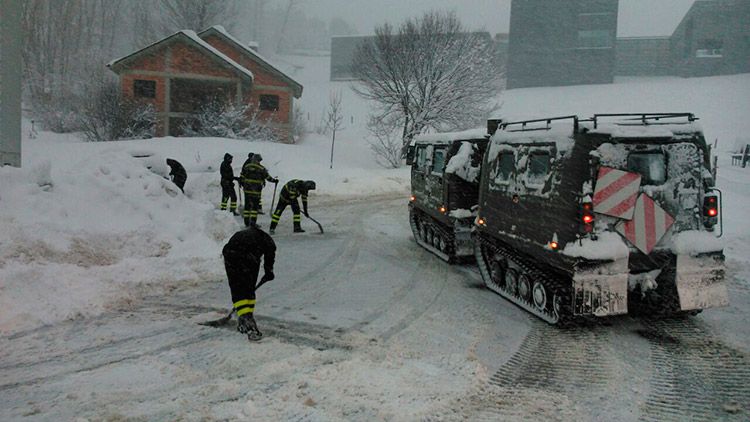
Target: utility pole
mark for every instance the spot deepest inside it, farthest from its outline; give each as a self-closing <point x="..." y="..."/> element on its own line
<point x="10" y="83"/>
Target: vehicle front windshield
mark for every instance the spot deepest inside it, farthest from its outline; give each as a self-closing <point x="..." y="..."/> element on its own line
<point x="652" y="166"/>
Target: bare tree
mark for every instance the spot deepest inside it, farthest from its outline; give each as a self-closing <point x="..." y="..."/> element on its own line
<point x="334" y="117"/>
<point x="282" y="33"/>
<point x="108" y="116"/>
<point x="385" y="142"/>
<point x="429" y="74"/>
<point x="63" y="41"/>
<point x="198" y="14"/>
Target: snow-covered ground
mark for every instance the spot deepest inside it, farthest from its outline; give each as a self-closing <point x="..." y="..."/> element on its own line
<point x="105" y="267"/>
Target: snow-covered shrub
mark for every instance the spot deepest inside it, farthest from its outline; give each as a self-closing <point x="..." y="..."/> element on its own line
<point x="108" y="116"/>
<point x="299" y="124"/>
<point x="225" y="119"/>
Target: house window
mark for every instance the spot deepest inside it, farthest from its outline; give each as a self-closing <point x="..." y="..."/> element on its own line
<point x="144" y="89"/>
<point x="269" y="102"/>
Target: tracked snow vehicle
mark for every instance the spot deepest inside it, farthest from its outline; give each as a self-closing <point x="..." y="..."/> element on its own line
<point x="610" y="215"/>
<point x="444" y="191"/>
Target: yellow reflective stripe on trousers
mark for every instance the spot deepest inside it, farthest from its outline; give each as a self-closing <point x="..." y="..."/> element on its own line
<point x="244" y="302"/>
<point x="244" y="311"/>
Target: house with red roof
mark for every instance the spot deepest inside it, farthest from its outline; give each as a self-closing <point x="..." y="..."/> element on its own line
<point x="182" y="72"/>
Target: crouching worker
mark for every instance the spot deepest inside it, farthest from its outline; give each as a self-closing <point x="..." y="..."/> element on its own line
<point x="178" y="173"/>
<point x="242" y="255"/>
<point x="289" y="193"/>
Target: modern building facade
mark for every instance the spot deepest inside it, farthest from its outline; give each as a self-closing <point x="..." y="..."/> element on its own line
<point x="555" y="43"/>
<point x="10" y="83"/>
<point x="713" y="39"/>
<point x="643" y="56"/>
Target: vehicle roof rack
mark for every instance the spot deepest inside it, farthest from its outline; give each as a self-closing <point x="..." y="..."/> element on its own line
<point x="548" y="122"/>
<point x="647" y="118"/>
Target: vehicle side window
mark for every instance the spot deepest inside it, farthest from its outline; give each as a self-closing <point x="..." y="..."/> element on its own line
<point x="651" y="165"/>
<point x="420" y="162"/>
<point x="538" y="168"/>
<point x="504" y="167"/>
<point x="438" y="161"/>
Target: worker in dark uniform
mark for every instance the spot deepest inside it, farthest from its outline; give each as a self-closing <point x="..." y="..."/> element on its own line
<point x="253" y="177"/>
<point x="178" y="173"/>
<point x="242" y="255"/>
<point x="227" y="185"/>
<point x="289" y="194"/>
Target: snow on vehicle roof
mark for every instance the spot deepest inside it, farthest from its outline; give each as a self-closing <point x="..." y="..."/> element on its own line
<point x="630" y="130"/>
<point x="449" y="137"/>
<point x="559" y="132"/>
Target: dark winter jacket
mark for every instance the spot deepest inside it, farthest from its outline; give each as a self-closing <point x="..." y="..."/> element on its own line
<point x="254" y="175"/>
<point x="178" y="173"/>
<point x="296" y="188"/>
<point x="252" y="244"/>
<point x="227" y="173"/>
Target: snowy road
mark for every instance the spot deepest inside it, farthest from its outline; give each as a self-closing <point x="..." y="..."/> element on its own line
<point x="361" y="324"/>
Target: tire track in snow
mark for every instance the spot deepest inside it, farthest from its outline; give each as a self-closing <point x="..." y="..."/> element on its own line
<point x="696" y="376"/>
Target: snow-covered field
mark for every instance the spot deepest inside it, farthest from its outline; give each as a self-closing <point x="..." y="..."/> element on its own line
<point x="105" y="266"/>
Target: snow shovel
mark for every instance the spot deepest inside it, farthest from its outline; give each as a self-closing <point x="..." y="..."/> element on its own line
<point x="225" y="319"/>
<point x="239" y="197"/>
<point x="316" y="222"/>
<point x="273" y="198"/>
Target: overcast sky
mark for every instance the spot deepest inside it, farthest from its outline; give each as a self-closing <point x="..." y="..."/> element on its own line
<point x="636" y="17"/>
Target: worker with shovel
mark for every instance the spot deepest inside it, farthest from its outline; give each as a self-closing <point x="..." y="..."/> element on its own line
<point x="242" y="255"/>
<point x="289" y="194"/>
<point x="253" y="177"/>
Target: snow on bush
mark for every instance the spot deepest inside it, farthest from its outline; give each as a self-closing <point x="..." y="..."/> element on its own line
<point x="224" y="119"/>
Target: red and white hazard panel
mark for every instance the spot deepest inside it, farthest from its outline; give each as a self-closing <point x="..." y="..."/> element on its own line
<point x="648" y="225"/>
<point x="616" y="192"/>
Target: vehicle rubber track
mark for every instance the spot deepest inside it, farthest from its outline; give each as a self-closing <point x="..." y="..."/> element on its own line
<point x="557" y="310"/>
<point x="696" y="375"/>
<point x="419" y="220"/>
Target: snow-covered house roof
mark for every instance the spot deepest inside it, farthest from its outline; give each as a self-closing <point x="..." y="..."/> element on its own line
<point x="190" y="37"/>
<point x="222" y="33"/>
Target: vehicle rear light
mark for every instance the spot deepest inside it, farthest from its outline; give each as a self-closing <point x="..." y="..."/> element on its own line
<point x="412" y="198"/>
<point x="480" y="221"/>
<point x="442" y="209"/>
<point x="587" y="216"/>
<point x="710" y="210"/>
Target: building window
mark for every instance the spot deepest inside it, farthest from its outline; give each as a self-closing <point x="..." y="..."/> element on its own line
<point x="710" y="48"/>
<point x="595" y="38"/>
<point x="144" y="89"/>
<point x="269" y="102"/>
